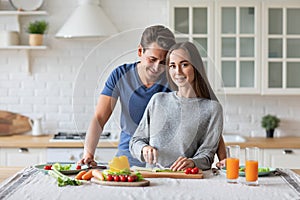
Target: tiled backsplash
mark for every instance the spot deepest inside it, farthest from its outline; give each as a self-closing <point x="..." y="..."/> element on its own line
<point x="48" y="91"/>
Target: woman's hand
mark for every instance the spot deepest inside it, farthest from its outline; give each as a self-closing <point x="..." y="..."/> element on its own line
<point x="182" y="163"/>
<point x="221" y="164"/>
<point x="150" y="154"/>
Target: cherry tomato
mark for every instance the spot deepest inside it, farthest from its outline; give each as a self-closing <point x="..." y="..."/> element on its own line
<point x="116" y="178"/>
<point x="135" y="177"/>
<point x="131" y="178"/>
<point x="109" y="177"/>
<point x="195" y="170"/>
<point x="47" y="167"/>
<point x="123" y="178"/>
<point x="188" y="171"/>
<point x="78" y="167"/>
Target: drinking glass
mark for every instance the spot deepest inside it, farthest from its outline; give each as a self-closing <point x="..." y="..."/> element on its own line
<point x="251" y="168"/>
<point x="232" y="163"/>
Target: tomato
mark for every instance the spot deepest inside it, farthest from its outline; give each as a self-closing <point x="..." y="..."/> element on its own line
<point x="188" y="171"/>
<point x="47" y="167"/>
<point x="195" y="170"/>
<point x="131" y="179"/>
<point x="78" y="167"/>
<point x="116" y="178"/>
<point x="109" y="177"/>
<point x="123" y="178"/>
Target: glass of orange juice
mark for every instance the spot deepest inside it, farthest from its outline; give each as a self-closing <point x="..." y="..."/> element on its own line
<point x="232" y="163"/>
<point x="251" y="168"/>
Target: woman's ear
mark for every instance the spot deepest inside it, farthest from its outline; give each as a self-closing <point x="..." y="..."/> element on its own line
<point x="140" y="50"/>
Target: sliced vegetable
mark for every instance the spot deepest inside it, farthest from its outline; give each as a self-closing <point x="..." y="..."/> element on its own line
<point x="63" y="180"/>
<point x="60" y="167"/>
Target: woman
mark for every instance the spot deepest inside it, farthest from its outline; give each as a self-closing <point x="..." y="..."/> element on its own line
<point x="181" y="129"/>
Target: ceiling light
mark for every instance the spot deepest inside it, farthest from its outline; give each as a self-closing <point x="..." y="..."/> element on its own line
<point x="88" y="20"/>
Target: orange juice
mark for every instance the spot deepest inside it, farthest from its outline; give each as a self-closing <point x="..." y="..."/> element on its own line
<point x="251" y="170"/>
<point x="232" y="168"/>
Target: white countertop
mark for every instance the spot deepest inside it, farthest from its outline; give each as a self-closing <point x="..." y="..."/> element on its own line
<point x="32" y="184"/>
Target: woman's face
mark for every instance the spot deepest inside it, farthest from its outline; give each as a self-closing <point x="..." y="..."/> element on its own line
<point x="180" y="69"/>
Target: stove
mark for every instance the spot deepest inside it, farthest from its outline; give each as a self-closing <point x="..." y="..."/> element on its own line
<point x="75" y="137"/>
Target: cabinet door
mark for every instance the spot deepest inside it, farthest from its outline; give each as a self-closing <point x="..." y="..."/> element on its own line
<point x="22" y="156"/>
<point x="193" y="21"/>
<point x="105" y="154"/>
<point x="237" y="49"/>
<point x="282" y="48"/>
<point x="72" y="155"/>
<point x="282" y="158"/>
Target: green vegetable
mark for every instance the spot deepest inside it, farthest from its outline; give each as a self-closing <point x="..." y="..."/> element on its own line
<point x="121" y="172"/>
<point x="62" y="179"/>
<point x="139" y="176"/>
<point x="263" y="169"/>
<point x="165" y="170"/>
<point x="60" y="167"/>
<point x="260" y="169"/>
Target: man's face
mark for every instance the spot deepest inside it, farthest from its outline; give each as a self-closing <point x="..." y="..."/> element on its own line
<point x="152" y="61"/>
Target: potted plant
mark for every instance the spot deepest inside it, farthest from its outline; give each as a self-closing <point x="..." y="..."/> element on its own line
<point x="270" y="122"/>
<point x="36" y="31"/>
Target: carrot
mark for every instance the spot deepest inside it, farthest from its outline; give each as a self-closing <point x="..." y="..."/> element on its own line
<point x="79" y="175"/>
<point x="88" y="175"/>
<point x="97" y="174"/>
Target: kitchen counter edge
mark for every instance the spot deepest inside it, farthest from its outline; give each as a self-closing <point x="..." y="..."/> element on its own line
<point x="28" y="141"/>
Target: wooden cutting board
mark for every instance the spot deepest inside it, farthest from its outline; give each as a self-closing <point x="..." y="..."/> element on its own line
<point x="180" y="175"/>
<point x="13" y="123"/>
<point x="124" y="184"/>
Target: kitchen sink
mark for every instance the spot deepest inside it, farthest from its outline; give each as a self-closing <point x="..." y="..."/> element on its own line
<point x="233" y="138"/>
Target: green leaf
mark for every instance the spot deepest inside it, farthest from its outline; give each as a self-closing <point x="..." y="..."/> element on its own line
<point x="37" y="27"/>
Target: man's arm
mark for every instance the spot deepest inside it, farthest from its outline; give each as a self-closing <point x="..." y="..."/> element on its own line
<point x="104" y="109"/>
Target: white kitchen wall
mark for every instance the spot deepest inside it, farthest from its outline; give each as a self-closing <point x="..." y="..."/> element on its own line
<point x="48" y="90"/>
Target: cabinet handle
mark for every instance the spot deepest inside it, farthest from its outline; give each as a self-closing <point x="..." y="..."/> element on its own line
<point x="23" y="150"/>
<point x="287" y="151"/>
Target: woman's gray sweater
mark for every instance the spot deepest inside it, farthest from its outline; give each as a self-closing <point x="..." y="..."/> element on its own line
<point x="178" y="126"/>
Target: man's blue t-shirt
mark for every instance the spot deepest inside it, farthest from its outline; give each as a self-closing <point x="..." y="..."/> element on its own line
<point x="124" y="84"/>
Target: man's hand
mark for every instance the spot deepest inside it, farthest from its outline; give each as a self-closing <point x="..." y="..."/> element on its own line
<point x="87" y="160"/>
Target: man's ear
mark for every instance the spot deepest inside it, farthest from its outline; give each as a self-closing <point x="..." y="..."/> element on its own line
<point x="140" y="50"/>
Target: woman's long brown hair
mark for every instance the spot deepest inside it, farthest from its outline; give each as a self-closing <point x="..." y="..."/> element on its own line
<point x="201" y="84"/>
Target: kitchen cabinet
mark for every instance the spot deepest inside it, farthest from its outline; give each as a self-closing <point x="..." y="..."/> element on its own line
<point x="275" y="158"/>
<point x="243" y="156"/>
<point x="249" y="47"/>
<point x="21" y="157"/>
<point x="24" y="48"/>
<point x="282" y="48"/>
<point x="238" y="51"/>
<point x="193" y="21"/>
<point x="75" y="154"/>
<point x="282" y="158"/>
